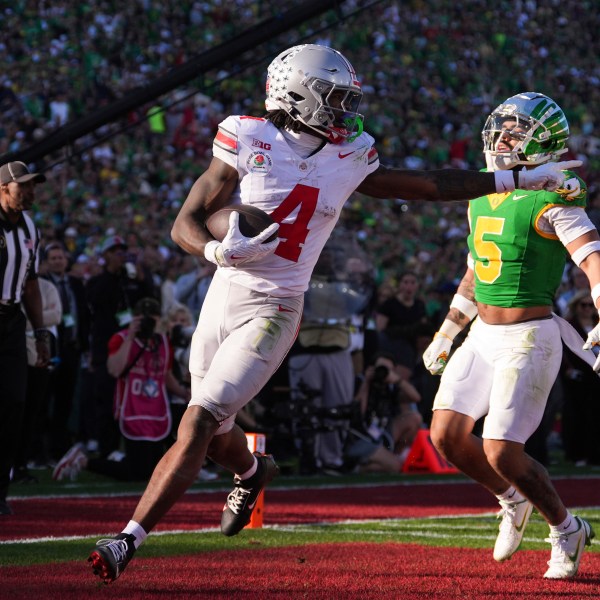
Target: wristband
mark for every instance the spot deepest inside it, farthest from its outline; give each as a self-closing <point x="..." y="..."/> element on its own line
<point x="449" y="329"/>
<point x="465" y="306"/>
<point x="209" y="251"/>
<point x="506" y="181"/>
<point x="584" y="251"/>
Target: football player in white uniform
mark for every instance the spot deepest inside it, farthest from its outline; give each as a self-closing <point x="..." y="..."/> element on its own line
<point x="299" y="163"/>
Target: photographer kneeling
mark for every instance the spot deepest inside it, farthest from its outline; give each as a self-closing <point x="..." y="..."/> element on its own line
<point x="389" y="419"/>
<point x="142" y="361"/>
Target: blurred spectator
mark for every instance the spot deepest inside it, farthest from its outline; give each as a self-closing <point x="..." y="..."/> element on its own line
<point x="581" y="409"/>
<point x="388" y="416"/>
<point x="399" y="321"/>
<point x="593" y="207"/>
<point x="192" y="285"/>
<point x="576" y="282"/>
<point x="72" y="342"/>
<point x="179" y="326"/>
<point x="141" y="360"/>
<point x="111" y="296"/>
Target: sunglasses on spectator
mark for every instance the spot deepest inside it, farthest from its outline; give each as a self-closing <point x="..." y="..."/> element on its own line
<point x="586" y="305"/>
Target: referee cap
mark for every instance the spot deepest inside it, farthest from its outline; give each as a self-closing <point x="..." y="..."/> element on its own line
<point x="17" y="171"/>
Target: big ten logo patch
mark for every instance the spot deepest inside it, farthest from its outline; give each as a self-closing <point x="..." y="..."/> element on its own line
<point x="260" y="144"/>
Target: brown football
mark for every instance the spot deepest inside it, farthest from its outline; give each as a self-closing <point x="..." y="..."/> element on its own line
<point x="252" y="221"/>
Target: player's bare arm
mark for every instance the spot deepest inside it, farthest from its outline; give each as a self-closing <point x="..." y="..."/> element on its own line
<point x="211" y="191"/>
<point x="442" y="184"/>
<point x="466" y="289"/>
<point x="591" y="263"/>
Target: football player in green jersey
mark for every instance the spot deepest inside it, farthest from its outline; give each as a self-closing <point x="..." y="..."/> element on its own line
<point x="511" y="356"/>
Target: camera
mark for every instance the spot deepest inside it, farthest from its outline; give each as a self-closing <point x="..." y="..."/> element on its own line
<point x="147" y="326"/>
<point x="381" y="373"/>
<point x="181" y="336"/>
<point x="148" y="309"/>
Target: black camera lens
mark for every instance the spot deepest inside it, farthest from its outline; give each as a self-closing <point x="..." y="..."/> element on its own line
<point x="381" y="373"/>
<point x="147" y="326"/>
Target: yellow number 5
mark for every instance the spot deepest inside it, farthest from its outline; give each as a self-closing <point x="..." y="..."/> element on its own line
<point x="486" y="250"/>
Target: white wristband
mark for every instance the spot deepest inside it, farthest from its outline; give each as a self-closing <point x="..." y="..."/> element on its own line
<point x="449" y="329"/>
<point x="505" y="181"/>
<point x="582" y="253"/>
<point x="209" y="251"/>
<point x="464" y="305"/>
<point x="596" y="292"/>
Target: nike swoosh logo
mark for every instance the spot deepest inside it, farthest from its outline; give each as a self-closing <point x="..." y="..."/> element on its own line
<point x="519" y="197"/>
<point x="520" y="527"/>
<point x="340" y="155"/>
<point x="575" y="556"/>
<point x="234" y="257"/>
<point x="251" y="506"/>
<point x="284" y="309"/>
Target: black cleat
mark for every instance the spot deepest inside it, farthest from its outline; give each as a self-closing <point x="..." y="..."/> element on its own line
<point x="111" y="556"/>
<point x="242" y="499"/>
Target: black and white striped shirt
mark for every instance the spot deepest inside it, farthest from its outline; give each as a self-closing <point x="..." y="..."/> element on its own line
<point x="19" y="256"/>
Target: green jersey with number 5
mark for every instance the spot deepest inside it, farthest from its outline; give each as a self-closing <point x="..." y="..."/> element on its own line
<point x="519" y="260"/>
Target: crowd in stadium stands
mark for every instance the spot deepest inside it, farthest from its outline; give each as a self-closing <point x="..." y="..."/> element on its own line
<point x="430" y="71"/>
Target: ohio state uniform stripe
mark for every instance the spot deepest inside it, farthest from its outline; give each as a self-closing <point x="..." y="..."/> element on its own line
<point x="372" y="156"/>
<point x="226" y="141"/>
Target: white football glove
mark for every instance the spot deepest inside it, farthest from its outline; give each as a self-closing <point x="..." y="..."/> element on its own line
<point x="593" y="339"/>
<point x="436" y="355"/>
<point x="237" y="249"/>
<point x="548" y="176"/>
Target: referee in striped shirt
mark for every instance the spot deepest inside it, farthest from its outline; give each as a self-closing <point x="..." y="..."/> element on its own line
<point x="19" y="242"/>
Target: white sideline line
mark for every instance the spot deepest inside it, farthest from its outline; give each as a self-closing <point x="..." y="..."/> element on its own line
<point x="400" y="525"/>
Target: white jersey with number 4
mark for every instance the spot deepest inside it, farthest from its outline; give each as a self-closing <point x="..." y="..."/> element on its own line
<point x="304" y="195"/>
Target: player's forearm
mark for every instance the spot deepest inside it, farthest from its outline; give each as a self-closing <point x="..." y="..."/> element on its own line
<point x="442" y="184"/>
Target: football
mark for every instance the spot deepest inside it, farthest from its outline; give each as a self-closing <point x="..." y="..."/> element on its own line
<point x="252" y="221"/>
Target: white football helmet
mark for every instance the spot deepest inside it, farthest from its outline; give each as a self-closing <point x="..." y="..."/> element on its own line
<point x="541" y="130"/>
<point x="317" y="86"/>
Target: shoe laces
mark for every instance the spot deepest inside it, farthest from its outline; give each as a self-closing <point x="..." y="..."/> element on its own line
<point x="119" y="548"/>
<point x="508" y="514"/>
<point x="237" y="499"/>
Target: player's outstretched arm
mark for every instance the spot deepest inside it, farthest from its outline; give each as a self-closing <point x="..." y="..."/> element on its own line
<point x="457" y="184"/>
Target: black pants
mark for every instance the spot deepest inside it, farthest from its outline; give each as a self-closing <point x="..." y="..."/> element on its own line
<point x="13" y="388"/>
<point x="140" y="459"/>
<point x="106" y="428"/>
<point x="64" y="383"/>
<point x="31" y="444"/>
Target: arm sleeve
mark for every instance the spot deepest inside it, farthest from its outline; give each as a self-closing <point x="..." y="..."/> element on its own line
<point x="567" y="222"/>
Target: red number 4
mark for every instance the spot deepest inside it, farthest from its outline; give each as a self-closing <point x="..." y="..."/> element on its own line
<point x="293" y="235"/>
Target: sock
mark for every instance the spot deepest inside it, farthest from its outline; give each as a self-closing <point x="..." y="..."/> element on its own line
<point x="250" y="471"/>
<point x="567" y="526"/>
<point x="137" y="531"/>
<point x="510" y="495"/>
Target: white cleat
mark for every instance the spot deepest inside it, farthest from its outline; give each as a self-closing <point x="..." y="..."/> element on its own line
<point x="515" y="516"/>
<point x="567" y="549"/>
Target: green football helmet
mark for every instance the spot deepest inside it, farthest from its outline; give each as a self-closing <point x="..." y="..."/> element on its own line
<point x="541" y="130"/>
